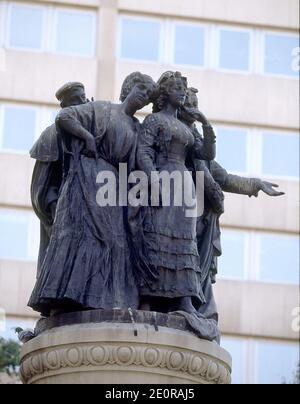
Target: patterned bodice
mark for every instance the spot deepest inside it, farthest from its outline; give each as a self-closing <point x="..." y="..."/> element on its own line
<point x="171" y="138"/>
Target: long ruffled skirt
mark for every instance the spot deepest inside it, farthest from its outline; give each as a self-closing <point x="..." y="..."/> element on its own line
<point x="88" y="261"/>
<point x="171" y="244"/>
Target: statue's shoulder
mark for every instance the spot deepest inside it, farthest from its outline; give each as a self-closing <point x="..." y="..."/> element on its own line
<point x="101" y="116"/>
<point x="101" y="105"/>
<point x="46" y="148"/>
<point x="101" y="109"/>
<point x="87" y="108"/>
<point x="96" y="111"/>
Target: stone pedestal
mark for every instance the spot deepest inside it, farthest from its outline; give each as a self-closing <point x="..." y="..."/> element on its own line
<point x="121" y="353"/>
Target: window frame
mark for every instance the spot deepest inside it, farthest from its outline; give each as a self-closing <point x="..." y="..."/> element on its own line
<point x="264" y="33"/>
<point x="250" y="354"/>
<point x="235" y="28"/>
<point x="3" y="14"/>
<point x="270" y="176"/>
<point x="162" y="38"/>
<point x="33" y="238"/>
<point x="258" y="251"/>
<point x="246" y="258"/>
<point x="252" y="255"/>
<point x="55" y="18"/>
<point x="172" y="34"/>
<point x="248" y="140"/>
<point x="32" y="241"/>
<point x="3" y="107"/>
<point x="44" y="115"/>
<point x="9" y="8"/>
<point x="259" y="342"/>
<point x="254" y="152"/>
<point x="244" y="341"/>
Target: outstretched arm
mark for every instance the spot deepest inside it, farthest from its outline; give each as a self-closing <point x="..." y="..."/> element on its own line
<point x="241" y="185"/>
<point x="67" y="121"/>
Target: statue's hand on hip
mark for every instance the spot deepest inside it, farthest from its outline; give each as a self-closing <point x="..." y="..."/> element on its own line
<point x="90" y="149"/>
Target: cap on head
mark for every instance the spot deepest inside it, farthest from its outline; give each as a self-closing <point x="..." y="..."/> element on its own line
<point x="65" y="90"/>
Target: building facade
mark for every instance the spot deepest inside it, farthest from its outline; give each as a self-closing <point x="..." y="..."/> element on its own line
<point x="243" y="56"/>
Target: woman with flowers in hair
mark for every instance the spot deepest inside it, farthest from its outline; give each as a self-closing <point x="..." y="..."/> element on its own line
<point x="170" y="237"/>
<point x="88" y="262"/>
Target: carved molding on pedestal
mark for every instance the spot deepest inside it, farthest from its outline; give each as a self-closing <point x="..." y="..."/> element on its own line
<point x="123" y="352"/>
<point x="196" y="367"/>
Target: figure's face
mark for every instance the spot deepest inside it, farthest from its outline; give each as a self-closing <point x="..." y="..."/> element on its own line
<point x="76" y="97"/>
<point x="177" y="94"/>
<point x="141" y="95"/>
<point x="190" y="109"/>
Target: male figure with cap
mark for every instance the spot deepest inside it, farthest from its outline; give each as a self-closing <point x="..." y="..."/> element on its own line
<point x="216" y="181"/>
<point x="48" y="171"/>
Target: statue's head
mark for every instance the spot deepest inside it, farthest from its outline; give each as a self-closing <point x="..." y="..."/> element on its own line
<point x="190" y="110"/>
<point x="71" y="94"/>
<point x="172" y="90"/>
<point x="139" y="90"/>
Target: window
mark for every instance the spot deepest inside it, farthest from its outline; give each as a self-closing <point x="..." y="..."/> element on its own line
<point x="258" y="153"/>
<point x="232" y="149"/>
<point x="236" y="348"/>
<point x="50" y="29"/>
<point x="279" y="54"/>
<point x="277" y="362"/>
<point x="189" y="45"/>
<point x="2" y="60"/>
<point x="19" y="128"/>
<point x="26" y="27"/>
<point x="13" y="236"/>
<point x="75" y="32"/>
<point x="279" y="258"/>
<point x="21" y="125"/>
<point x="140" y="39"/>
<point x="280" y="154"/>
<point x="18" y="235"/>
<point x="235" y="49"/>
<point x="53" y="115"/>
<point x="232" y="261"/>
<point x="257" y="361"/>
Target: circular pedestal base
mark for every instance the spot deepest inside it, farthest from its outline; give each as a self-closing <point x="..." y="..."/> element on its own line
<point x="118" y="353"/>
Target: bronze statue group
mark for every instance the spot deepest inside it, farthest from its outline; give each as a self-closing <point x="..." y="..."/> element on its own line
<point x="151" y="258"/>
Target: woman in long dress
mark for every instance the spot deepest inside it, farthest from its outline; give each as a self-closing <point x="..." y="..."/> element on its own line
<point x="170" y="236"/>
<point x="88" y="262"/>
